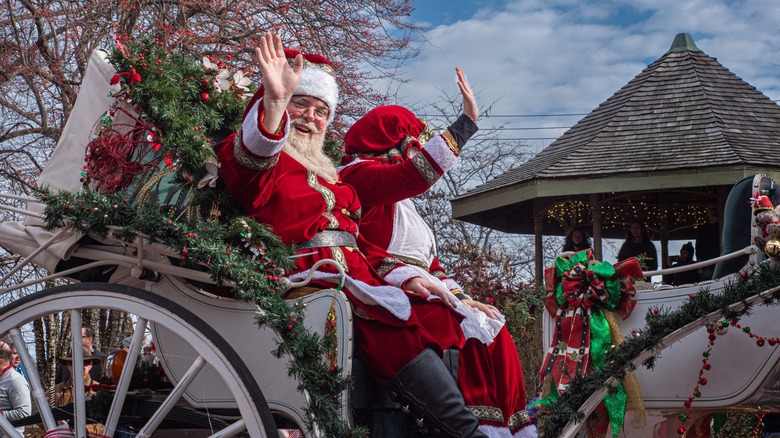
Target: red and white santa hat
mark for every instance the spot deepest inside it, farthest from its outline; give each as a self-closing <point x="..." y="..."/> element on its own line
<point x="318" y="79"/>
<point x="384" y="128"/>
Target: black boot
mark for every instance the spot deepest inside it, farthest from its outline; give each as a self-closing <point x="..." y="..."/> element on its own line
<point x="425" y="387"/>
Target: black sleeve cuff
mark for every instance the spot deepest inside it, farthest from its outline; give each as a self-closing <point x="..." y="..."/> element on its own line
<point x="463" y="129"/>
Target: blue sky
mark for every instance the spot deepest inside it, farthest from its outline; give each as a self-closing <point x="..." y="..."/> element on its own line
<point x="537" y="57"/>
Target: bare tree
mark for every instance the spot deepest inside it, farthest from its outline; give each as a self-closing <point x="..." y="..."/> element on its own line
<point x="485" y="157"/>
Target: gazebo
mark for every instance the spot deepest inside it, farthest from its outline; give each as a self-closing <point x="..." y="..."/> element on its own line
<point x="672" y="141"/>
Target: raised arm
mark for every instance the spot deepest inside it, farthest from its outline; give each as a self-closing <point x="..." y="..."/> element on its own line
<point x="279" y="79"/>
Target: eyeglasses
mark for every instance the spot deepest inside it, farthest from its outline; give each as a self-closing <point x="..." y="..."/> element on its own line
<point x="303" y="105"/>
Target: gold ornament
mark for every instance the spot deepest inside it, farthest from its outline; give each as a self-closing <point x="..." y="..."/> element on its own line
<point x="772" y="248"/>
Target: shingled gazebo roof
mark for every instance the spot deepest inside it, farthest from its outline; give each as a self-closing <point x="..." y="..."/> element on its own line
<point x="685" y="126"/>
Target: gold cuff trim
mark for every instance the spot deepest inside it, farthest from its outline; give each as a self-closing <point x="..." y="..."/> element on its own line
<point x="439" y="274"/>
<point x="457" y="292"/>
<point x="487" y="413"/>
<point x="451" y="142"/>
<point x="518" y="419"/>
<point x="412" y="261"/>
<point x="386" y="266"/>
<point x="250" y="161"/>
<point x="425" y="168"/>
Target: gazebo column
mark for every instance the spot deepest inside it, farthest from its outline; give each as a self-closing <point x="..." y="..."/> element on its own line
<point x="596" y="219"/>
<point x="538" y="228"/>
<point x="664" y="231"/>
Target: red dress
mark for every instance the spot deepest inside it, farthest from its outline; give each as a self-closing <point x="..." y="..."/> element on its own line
<point x="490" y="375"/>
<point x="393" y="327"/>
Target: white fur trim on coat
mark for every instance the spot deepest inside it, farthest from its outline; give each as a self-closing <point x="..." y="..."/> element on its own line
<point x="495" y="431"/>
<point x="526" y="432"/>
<point x="254" y="140"/>
<point x="389" y="297"/>
<point x="441" y="153"/>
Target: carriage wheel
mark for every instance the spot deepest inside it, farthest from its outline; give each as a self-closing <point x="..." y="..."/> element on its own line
<point x="255" y="417"/>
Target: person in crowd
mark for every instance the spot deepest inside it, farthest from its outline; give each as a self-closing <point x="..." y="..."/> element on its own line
<point x="15" y="402"/>
<point x="708" y="241"/>
<point x="87" y="338"/>
<point x="685" y="258"/>
<point x="638" y="244"/>
<point x="390" y="147"/>
<point x="576" y="240"/>
<point x="62" y="393"/>
<point x="276" y="170"/>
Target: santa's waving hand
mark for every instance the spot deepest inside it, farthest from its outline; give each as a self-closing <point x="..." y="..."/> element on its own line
<point x="279" y="79"/>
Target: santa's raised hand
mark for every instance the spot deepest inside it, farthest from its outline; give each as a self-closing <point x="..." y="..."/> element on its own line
<point x="469" y="102"/>
<point x="279" y="79"/>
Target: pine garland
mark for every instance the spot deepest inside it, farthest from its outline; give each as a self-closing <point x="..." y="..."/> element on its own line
<point x="189" y="106"/>
<point x="555" y="417"/>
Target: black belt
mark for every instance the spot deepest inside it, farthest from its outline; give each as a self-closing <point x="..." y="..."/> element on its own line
<point x="329" y="238"/>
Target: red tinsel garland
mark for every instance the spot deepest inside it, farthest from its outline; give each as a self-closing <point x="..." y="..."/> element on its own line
<point x="116" y="156"/>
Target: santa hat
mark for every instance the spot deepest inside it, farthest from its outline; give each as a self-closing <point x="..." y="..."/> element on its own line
<point x="318" y="79"/>
<point x="384" y="128"/>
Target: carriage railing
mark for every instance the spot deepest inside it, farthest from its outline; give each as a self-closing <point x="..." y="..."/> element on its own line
<point x="746" y="251"/>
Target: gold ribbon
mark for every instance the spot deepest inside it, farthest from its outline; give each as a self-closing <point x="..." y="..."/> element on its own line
<point x="634" y="401"/>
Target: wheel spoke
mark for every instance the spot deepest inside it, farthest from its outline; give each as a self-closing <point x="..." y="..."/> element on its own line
<point x="173" y="397"/>
<point x="31" y="369"/>
<point x="238" y="426"/>
<point x="125" y="378"/>
<point x="77" y="374"/>
<point x="6" y="427"/>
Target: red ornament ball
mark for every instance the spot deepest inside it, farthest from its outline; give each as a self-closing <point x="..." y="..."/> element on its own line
<point x="204" y="97"/>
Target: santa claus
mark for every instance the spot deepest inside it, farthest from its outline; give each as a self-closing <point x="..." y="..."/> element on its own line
<point x="275" y="168"/>
<point x="393" y="156"/>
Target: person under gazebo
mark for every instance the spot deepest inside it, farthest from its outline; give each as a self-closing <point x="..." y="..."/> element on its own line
<point x="576" y="240"/>
<point x="638" y="244"/>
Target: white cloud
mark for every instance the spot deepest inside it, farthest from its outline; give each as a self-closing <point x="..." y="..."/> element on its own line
<point x="568" y="56"/>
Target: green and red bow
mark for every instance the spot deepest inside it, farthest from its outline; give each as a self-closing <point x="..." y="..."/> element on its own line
<point x="579" y="290"/>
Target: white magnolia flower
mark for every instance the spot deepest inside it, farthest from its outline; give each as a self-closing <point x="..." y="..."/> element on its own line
<point x="208" y="64"/>
<point x="242" y="81"/>
<point x="222" y="80"/>
<point x="212" y="173"/>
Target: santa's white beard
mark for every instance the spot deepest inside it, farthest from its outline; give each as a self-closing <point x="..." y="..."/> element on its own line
<point x="308" y="151"/>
